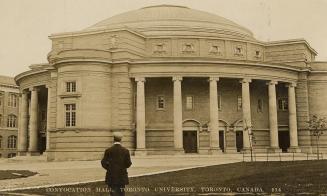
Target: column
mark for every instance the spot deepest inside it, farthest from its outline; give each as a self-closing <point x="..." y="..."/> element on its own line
<point x="48" y="118"/>
<point x="140" y="116"/>
<point x="247" y="124"/>
<point x="33" y="139"/>
<point x="214" y="125"/>
<point x="178" y="121"/>
<point x="23" y="126"/>
<point x="273" y="123"/>
<point x="292" y="118"/>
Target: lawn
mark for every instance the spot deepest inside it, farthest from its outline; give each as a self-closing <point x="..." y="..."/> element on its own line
<point x="285" y="177"/>
<point x="12" y="174"/>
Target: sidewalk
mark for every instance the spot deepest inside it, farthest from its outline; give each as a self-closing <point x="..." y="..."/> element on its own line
<point x="51" y="173"/>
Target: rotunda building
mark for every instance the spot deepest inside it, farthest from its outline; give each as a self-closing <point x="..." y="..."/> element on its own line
<point x="173" y="80"/>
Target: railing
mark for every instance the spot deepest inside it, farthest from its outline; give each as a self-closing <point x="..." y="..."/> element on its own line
<point x="269" y="156"/>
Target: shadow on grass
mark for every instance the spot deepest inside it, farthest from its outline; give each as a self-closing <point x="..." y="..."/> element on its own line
<point x="12" y="174"/>
<point x="246" y="178"/>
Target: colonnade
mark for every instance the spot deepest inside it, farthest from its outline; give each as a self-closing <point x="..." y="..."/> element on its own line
<point x="214" y="114"/>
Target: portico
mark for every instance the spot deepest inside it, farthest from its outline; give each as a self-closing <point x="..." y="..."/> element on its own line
<point x="32" y="127"/>
<point x="213" y="113"/>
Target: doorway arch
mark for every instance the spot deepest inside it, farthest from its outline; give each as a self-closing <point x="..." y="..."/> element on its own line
<point x="191" y="128"/>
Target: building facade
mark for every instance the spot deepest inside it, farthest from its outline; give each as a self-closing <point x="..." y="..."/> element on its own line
<point x="174" y="80"/>
<point x="9" y="98"/>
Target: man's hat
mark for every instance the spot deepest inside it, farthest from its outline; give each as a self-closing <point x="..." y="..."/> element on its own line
<point x="117" y="136"/>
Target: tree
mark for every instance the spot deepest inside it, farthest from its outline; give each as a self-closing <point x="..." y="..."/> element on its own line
<point x="317" y="125"/>
<point x="248" y="128"/>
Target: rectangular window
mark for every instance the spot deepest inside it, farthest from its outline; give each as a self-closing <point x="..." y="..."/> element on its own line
<point x="70" y="87"/>
<point x="260" y="105"/>
<point x="283" y="104"/>
<point x="239" y="103"/>
<point x="12" y="100"/>
<point x="160" y="102"/>
<point x="70" y="115"/>
<point x="189" y="102"/>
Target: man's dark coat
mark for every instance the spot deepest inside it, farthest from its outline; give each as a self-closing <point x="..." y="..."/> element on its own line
<point x="116" y="160"/>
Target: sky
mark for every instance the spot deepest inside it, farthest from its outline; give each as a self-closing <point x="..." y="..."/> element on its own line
<point x="26" y="24"/>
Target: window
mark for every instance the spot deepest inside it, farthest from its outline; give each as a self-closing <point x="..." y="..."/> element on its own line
<point x="219" y="102"/>
<point x="282" y="104"/>
<point x="70" y="87"/>
<point x="0" y="141"/>
<point x="260" y="105"/>
<point x="239" y="103"/>
<point x="160" y="102"/>
<point x="0" y="120"/>
<point x="189" y="102"/>
<point x="12" y="100"/>
<point x="12" y="121"/>
<point x="11" y="155"/>
<point x="70" y="115"/>
<point x="12" y="142"/>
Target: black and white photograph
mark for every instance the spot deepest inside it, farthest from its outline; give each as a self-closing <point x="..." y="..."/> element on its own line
<point x="163" y="97"/>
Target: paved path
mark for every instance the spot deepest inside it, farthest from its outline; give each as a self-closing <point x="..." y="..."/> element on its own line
<point x="50" y="173"/>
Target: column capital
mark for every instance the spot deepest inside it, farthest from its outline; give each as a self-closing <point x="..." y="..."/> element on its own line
<point x="291" y="84"/>
<point x="272" y="82"/>
<point x="246" y="80"/>
<point x="213" y="78"/>
<point x="177" y="78"/>
<point x="34" y="88"/>
<point x="140" y="79"/>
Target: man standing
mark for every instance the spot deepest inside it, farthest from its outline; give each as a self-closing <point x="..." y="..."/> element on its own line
<point x="116" y="160"/>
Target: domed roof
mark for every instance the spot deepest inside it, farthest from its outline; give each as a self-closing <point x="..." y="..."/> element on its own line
<point x="174" y="20"/>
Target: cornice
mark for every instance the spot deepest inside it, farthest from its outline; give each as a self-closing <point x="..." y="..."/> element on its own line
<point x="93" y="32"/>
<point x="29" y="73"/>
<point x="291" y="41"/>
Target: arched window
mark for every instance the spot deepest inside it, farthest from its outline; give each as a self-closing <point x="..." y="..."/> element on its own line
<point x="0" y="141"/>
<point x="12" y="141"/>
<point x="12" y="121"/>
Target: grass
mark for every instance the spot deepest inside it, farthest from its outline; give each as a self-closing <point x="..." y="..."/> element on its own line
<point x="12" y="174"/>
<point x="287" y="177"/>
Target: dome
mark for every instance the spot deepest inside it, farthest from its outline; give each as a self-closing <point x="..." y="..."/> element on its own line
<point x="174" y="20"/>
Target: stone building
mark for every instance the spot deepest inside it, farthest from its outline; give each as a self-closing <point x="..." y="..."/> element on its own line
<point x="173" y="80"/>
<point x="9" y="96"/>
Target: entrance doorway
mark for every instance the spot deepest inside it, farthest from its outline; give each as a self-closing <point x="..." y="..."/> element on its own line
<point x="222" y="140"/>
<point x="190" y="141"/>
<point x="239" y="141"/>
<point x="284" y="140"/>
<point x="42" y="142"/>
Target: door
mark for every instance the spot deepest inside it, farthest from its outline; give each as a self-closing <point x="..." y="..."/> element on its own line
<point x="190" y="141"/>
<point x="239" y="140"/>
<point x="222" y="140"/>
<point x="284" y="140"/>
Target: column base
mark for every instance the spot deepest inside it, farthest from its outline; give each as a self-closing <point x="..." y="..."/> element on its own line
<point x="23" y="153"/>
<point x="179" y="151"/>
<point x="140" y="152"/>
<point x="295" y="149"/>
<point x="205" y="151"/>
<point x="231" y="150"/>
<point x="214" y="151"/>
<point x="274" y="150"/>
<point x="246" y="150"/>
<point x="33" y="154"/>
